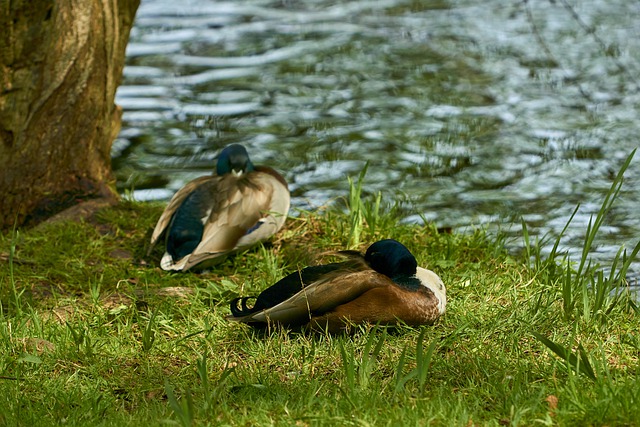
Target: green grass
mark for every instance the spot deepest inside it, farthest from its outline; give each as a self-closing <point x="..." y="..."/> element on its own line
<point x="92" y="332"/>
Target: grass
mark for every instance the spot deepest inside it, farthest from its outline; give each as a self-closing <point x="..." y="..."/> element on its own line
<point x="92" y="332"/>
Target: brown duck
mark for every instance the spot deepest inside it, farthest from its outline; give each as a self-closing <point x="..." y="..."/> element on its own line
<point x="384" y="286"/>
<point x="213" y="216"/>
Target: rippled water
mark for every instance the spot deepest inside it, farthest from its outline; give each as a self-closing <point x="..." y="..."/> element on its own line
<point x="469" y="113"/>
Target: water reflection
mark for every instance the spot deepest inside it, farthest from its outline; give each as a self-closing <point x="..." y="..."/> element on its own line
<point x="468" y="113"/>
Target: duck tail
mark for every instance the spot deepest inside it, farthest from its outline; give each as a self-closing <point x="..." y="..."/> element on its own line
<point x="166" y="263"/>
<point x="239" y="307"/>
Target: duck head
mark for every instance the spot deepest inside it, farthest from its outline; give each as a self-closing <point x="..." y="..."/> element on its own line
<point x="234" y="159"/>
<point x="391" y="258"/>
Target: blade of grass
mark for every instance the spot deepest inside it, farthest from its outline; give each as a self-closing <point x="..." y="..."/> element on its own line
<point x="402" y="379"/>
<point x="356" y="208"/>
<point x="183" y="411"/>
<point x="348" y="366"/>
<point x="149" y="333"/>
<point x="579" y="364"/>
<point x="424" y="361"/>
<point x="610" y="197"/>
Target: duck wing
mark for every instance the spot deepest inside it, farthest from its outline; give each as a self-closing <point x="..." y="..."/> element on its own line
<point x="172" y="207"/>
<point x="238" y="207"/>
<point x="291" y="284"/>
<point x="318" y="298"/>
<point x="273" y="216"/>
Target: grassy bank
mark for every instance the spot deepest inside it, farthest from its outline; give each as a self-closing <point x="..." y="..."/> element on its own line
<point x="92" y="332"/>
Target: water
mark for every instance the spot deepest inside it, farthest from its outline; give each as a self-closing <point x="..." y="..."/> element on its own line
<point x="469" y="113"/>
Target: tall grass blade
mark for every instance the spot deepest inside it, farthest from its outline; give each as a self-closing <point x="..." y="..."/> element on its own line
<point x="369" y="356"/>
<point x="149" y="333"/>
<point x="568" y="302"/>
<point x="586" y="365"/>
<point x="596" y="289"/>
<point x="579" y="364"/>
<point x="423" y="365"/>
<point x="356" y="209"/>
<point x="82" y="340"/>
<point x="402" y="379"/>
<point x="526" y="241"/>
<point x="371" y="212"/>
<point x="17" y="296"/>
<point x="183" y="411"/>
<point x="348" y="366"/>
<point x="358" y="372"/>
<point x="626" y="263"/>
<point x="203" y="374"/>
<point x="424" y="361"/>
<point x="211" y="394"/>
<point x="594" y="225"/>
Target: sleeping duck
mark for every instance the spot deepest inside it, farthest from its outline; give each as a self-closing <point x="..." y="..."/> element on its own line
<point x="212" y="216"/>
<point x="384" y="286"/>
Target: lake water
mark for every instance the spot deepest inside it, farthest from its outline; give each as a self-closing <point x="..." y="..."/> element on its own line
<point x="469" y="113"/>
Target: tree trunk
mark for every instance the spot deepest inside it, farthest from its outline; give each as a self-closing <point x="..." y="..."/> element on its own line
<point x="60" y="64"/>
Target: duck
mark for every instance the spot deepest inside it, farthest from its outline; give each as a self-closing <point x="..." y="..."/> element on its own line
<point x="213" y="216"/>
<point x="384" y="286"/>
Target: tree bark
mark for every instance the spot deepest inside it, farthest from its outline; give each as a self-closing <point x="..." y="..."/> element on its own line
<point x="60" y="64"/>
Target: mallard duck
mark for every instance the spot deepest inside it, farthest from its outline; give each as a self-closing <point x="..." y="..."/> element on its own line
<point x="384" y="286"/>
<point x="212" y="216"/>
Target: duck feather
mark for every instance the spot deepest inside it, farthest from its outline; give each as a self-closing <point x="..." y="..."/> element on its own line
<point x="215" y="215"/>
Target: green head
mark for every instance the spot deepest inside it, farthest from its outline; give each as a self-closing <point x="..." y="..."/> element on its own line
<point x="234" y="159"/>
